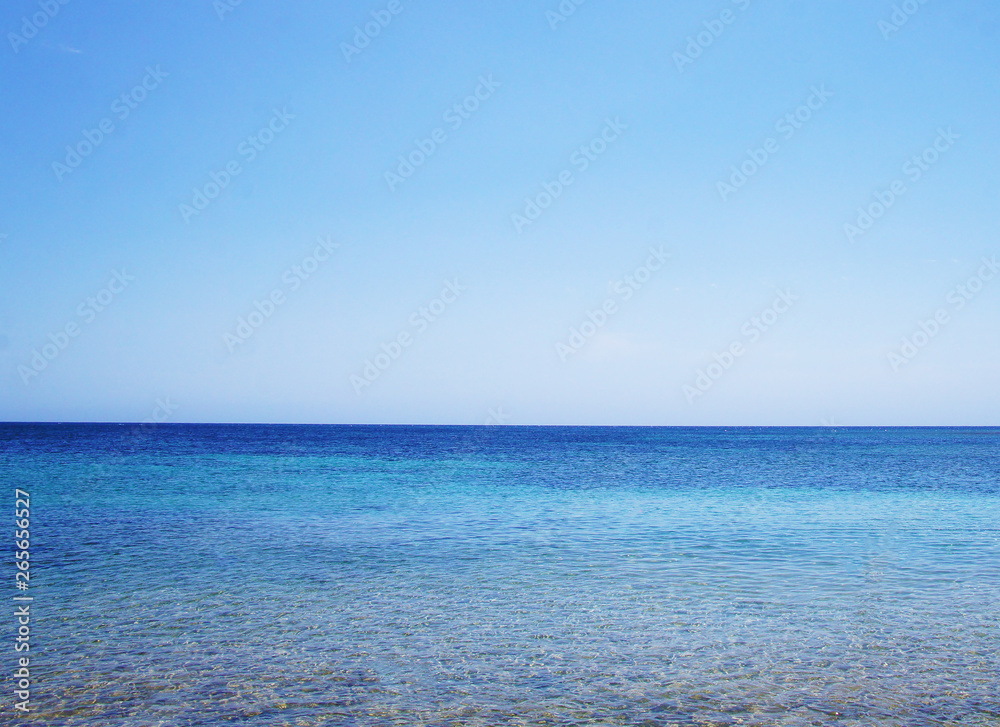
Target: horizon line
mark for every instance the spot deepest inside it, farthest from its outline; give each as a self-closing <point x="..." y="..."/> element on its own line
<point x="154" y="425"/>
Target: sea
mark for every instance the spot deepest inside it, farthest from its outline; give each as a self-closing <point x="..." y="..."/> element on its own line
<point x="451" y="575"/>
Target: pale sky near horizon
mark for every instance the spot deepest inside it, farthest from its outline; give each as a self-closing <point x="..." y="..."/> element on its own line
<point x="398" y="212"/>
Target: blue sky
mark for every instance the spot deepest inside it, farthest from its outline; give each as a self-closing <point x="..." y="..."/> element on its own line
<point x="665" y="101"/>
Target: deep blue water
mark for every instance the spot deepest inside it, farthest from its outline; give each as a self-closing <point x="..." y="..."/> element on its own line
<point x="306" y="575"/>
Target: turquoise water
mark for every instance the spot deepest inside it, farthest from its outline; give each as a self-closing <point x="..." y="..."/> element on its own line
<point x="281" y="575"/>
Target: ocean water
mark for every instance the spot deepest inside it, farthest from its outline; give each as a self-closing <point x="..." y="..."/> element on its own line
<point x="306" y="575"/>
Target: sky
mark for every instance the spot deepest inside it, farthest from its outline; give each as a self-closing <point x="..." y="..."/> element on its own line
<point x="732" y="212"/>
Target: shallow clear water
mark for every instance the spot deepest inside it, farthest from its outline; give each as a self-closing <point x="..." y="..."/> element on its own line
<point x="281" y="575"/>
